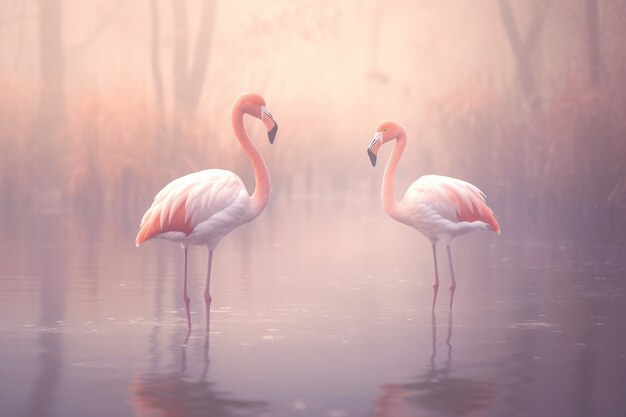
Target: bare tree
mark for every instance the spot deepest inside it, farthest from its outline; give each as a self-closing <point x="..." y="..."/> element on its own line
<point x="155" y="56"/>
<point x="593" y="43"/>
<point x="189" y="76"/>
<point x="51" y="60"/>
<point x="20" y="37"/>
<point x="181" y="40"/>
<point x="523" y="48"/>
<point x="52" y="95"/>
<point x="106" y="18"/>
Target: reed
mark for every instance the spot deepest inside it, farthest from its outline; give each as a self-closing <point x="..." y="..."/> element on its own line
<point x="17" y="116"/>
<point x="116" y="150"/>
<point x="569" y="167"/>
<point x="121" y="150"/>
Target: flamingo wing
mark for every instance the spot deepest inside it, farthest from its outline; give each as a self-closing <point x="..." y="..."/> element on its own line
<point x="187" y="202"/>
<point x="453" y="199"/>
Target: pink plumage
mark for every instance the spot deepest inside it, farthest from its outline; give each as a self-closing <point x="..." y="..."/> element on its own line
<point x="203" y="207"/>
<point x="439" y="207"/>
<point x="455" y="200"/>
<point x="199" y="208"/>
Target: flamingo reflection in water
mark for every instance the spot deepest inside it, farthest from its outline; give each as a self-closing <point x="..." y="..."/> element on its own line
<point x="437" y="390"/>
<point x="178" y="393"/>
<point x="203" y="207"/>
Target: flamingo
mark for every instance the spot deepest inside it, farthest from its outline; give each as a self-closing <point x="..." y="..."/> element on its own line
<point x="203" y="207"/>
<point x="439" y="207"/>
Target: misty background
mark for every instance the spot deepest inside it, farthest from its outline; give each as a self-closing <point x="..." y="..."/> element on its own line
<point x="323" y="301"/>
<point x="104" y="102"/>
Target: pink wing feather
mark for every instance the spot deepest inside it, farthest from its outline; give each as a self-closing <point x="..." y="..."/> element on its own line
<point x="455" y="199"/>
<point x="157" y="222"/>
<point x="187" y="201"/>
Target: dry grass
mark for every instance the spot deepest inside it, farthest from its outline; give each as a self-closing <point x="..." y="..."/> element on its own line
<point x="120" y="150"/>
<point x="481" y="136"/>
<point x="112" y="150"/>
<point x="584" y="153"/>
<point x="16" y="120"/>
<point x="116" y="151"/>
<point x="568" y="168"/>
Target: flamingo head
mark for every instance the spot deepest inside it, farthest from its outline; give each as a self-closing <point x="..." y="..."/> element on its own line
<point x="255" y="105"/>
<point x="385" y="132"/>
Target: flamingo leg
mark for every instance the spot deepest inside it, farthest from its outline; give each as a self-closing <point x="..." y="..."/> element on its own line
<point x="207" y="294"/>
<point x="452" y="279"/>
<point x="436" y="283"/>
<point x="186" y="298"/>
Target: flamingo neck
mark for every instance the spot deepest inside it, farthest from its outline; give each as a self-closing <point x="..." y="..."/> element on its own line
<point x="390" y="204"/>
<point x="260" y="197"/>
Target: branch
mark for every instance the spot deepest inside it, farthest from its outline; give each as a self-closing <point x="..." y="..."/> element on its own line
<point x="155" y="56"/>
<point x="522" y="56"/>
<point x="201" y="52"/>
<point x="511" y="29"/>
<point x="536" y="26"/>
<point x="179" y="8"/>
<point x="105" y="20"/>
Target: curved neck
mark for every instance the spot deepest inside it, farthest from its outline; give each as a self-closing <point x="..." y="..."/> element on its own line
<point x="389" y="201"/>
<point x="258" y="200"/>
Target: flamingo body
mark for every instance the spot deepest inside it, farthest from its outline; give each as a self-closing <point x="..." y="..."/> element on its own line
<point x="203" y="207"/>
<point x="442" y="208"/>
<point x="439" y="207"/>
<point x="197" y="209"/>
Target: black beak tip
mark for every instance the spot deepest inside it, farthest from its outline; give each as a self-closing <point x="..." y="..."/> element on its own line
<point x="372" y="156"/>
<point x="271" y="135"/>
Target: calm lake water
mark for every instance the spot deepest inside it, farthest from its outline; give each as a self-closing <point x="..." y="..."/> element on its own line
<point x="319" y="308"/>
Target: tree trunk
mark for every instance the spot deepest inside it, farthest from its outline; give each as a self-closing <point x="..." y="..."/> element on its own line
<point x="52" y="95"/>
<point x="189" y="79"/>
<point x="51" y="62"/>
<point x="523" y="51"/>
<point x="181" y="35"/>
<point x="20" y="38"/>
<point x="155" y="57"/>
<point x="593" y="43"/>
<point x="201" y="56"/>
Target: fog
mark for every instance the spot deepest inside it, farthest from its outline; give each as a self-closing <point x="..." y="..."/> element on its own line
<point x="105" y="102"/>
<point x="321" y="305"/>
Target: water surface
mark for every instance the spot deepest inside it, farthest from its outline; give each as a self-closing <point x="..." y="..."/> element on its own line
<point x="320" y="309"/>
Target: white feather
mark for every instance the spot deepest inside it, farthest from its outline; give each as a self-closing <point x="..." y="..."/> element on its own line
<point x="216" y="201"/>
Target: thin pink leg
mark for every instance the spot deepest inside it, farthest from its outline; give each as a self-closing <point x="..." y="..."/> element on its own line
<point x="453" y="281"/>
<point x="186" y="298"/>
<point x="436" y="283"/>
<point x="207" y="294"/>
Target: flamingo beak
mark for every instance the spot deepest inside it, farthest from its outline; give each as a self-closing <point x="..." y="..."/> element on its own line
<point x="270" y="123"/>
<point x="372" y="156"/>
<point x="372" y="149"/>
